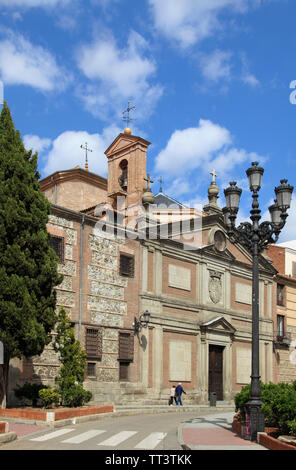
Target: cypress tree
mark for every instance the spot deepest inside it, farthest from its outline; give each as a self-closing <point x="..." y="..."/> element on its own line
<point x="73" y="360"/>
<point x="28" y="266"/>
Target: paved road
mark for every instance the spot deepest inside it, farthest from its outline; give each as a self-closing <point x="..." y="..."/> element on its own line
<point x="140" y="432"/>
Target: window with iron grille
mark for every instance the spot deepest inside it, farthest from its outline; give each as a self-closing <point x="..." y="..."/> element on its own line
<point x="280" y="294"/>
<point x="91" y="369"/>
<point x="126" y="347"/>
<point x="93" y="343"/>
<point x="127" y="265"/>
<point x="57" y="244"/>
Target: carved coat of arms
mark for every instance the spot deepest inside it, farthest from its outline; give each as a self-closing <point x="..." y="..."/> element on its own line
<point x="215" y="286"/>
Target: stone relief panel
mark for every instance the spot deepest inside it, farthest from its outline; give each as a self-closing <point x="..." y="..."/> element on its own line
<point x="243" y="293"/>
<point x="179" y="277"/>
<point x="243" y="365"/>
<point x="180" y="360"/>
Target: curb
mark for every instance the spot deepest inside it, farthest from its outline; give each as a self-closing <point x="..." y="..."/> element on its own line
<point x="7" y="437"/>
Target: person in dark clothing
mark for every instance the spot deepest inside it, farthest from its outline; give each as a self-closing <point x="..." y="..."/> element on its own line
<point x="179" y="391"/>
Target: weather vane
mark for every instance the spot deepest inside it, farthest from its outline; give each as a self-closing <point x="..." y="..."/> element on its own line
<point x="86" y="150"/>
<point x="126" y="114"/>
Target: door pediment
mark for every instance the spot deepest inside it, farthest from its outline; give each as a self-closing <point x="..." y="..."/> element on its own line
<point x="218" y="324"/>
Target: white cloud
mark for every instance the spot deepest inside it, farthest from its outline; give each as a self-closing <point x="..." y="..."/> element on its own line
<point x="22" y="63"/>
<point x="189" y="148"/>
<point x="247" y="77"/>
<point x="190" y="21"/>
<point x="250" y="79"/>
<point x="117" y="74"/>
<point x="66" y="152"/>
<point x="192" y="153"/>
<point x="35" y="143"/>
<point x="216" y="66"/>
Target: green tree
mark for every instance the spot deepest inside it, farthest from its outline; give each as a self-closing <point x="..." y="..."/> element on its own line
<point x="73" y="360"/>
<point x="28" y="266"/>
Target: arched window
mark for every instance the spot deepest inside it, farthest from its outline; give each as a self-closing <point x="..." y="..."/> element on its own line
<point x="123" y="177"/>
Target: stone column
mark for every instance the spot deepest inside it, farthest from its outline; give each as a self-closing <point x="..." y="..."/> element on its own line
<point x="157" y="362"/>
<point x="203" y="286"/>
<point x="269" y="300"/>
<point x="262" y="365"/>
<point x="269" y="368"/>
<point x="227" y="367"/>
<point x="144" y="269"/>
<point x="261" y="298"/>
<point x="227" y="290"/>
<point x="145" y="357"/>
<point x="158" y="272"/>
<point x="202" y="369"/>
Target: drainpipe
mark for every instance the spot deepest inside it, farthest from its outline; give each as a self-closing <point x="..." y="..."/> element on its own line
<point x="80" y="279"/>
<point x="55" y="190"/>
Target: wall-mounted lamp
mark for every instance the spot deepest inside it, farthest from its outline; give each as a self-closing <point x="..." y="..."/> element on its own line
<point x="142" y="322"/>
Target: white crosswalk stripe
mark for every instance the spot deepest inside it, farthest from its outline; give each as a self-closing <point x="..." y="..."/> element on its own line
<point x="118" y="438"/>
<point x="151" y="441"/>
<point x="52" y="435"/>
<point x="84" y="436"/>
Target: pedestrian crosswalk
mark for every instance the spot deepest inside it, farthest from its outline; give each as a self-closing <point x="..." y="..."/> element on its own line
<point x="149" y="442"/>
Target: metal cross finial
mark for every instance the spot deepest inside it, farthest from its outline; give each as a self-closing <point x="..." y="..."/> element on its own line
<point x="213" y="175"/>
<point x="86" y="150"/>
<point x="149" y="180"/>
<point x="127" y="118"/>
<point x="161" y="183"/>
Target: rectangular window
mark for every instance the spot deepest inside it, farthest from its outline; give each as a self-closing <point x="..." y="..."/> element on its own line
<point x="127" y="265"/>
<point x="280" y="294"/>
<point x="280" y="327"/>
<point x="93" y="343"/>
<point x="294" y="268"/>
<point x="57" y="244"/>
<point x="126" y="347"/>
<point x="91" y="369"/>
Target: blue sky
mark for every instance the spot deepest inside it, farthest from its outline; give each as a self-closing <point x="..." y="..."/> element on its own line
<point x="210" y="80"/>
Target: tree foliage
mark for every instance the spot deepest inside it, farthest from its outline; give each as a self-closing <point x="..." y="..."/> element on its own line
<point x="73" y="360"/>
<point x="279" y="404"/>
<point x="28" y="266"/>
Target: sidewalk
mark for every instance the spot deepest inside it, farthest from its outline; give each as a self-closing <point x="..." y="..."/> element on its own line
<point x="213" y="432"/>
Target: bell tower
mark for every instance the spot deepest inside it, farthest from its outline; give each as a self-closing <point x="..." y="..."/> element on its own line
<point x="127" y="157"/>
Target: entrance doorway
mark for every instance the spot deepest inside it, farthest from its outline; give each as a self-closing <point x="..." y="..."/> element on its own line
<point x="216" y="370"/>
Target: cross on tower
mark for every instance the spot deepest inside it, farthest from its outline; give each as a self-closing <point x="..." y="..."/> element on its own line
<point x="86" y="150"/>
<point x="127" y="118"/>
<point x="213" y="175"/>
<point x="149" y="180"/>
<point x="161" y="183"/>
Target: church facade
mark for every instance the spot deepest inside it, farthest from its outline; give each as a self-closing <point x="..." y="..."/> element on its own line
<point x="156" y="292"/>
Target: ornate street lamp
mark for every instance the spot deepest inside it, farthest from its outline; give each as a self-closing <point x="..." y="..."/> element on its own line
<point x="142" y="322"/>
<point x="255" y="238"/>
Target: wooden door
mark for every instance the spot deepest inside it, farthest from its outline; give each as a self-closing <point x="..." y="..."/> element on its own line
<point x="216" y="370"/>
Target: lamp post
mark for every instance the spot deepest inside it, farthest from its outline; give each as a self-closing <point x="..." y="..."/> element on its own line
<point x="142" y="322"/>
<point x="255" y="237"/>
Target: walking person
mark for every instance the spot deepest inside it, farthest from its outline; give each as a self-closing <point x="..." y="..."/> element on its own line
<point x="179" y="391"/>
<point x="173" y="395"/>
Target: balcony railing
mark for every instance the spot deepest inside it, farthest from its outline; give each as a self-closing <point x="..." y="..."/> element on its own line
<point x="283" y="340"/>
